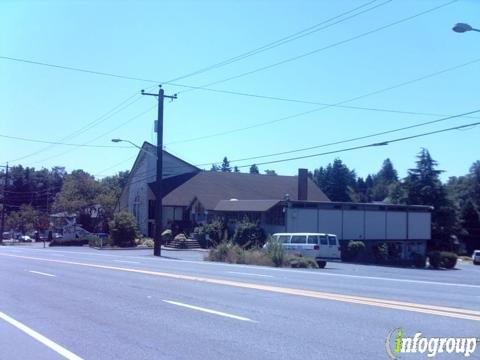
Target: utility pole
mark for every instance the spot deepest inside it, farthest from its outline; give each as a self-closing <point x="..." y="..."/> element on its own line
<point x="157" y="248"/>
<point x="3" y="203"/>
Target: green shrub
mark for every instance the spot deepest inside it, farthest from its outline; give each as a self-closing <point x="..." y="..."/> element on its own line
<point x="258" y="257"/>
<point x="235" y="255"/>
<point x="296" y="261"/>
<point x="148" y="243"/>
<point x="273" y="255"/>
<point x="442" y="259"/>
<point x="248" y="234"/>
<point x="449" y="259"/>
<point x="95" y="241"/>
<point x="276" y="253"/>
<point x="215" y="231"/>
<point x="123" y="229"/>
<point x="219" y="253"/>
<point x="394" y="252"/>
<point x="200" y="235"/>
<point x="181" y="239"/>
<point x="352" y="251"/>
<point x="380" y="252"/>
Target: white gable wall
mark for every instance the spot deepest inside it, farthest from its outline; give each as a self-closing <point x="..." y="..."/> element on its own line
<point x="137" y="193"/>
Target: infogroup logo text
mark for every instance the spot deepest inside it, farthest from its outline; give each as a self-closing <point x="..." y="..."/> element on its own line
<point x="397" y="343"/>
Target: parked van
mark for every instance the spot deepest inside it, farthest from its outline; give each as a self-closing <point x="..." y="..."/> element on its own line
<point x="322" y="247"/>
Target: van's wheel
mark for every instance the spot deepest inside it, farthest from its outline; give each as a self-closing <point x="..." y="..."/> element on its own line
<point x="321" y="264"/>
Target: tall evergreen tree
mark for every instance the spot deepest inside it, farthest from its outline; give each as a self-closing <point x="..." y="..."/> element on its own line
<point x="387" y="173"/>
<point x="383" y="181"/>
<point x="226" y="165"/>
<point x="337" y="181"/>
<point x="423" y="187"/>
<point x="361" y="191"/>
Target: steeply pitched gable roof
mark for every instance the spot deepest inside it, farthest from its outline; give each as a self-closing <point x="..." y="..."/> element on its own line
<point x="209" y="187"/>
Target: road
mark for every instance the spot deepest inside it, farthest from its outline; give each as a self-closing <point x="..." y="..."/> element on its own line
<point x="81" y="303"/>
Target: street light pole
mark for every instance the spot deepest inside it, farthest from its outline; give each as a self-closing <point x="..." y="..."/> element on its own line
<point x="157" y="249"/>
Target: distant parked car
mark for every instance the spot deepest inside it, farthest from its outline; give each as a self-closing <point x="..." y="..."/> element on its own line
<point x="476" y="257"/>
<point x="25" y="238"/>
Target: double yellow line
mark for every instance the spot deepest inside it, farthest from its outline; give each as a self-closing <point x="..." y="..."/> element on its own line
<point x="388" y="304"/>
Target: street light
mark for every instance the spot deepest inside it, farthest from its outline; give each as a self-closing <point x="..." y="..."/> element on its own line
<point x="462" y="27"/>
<point x="131" y="143"/>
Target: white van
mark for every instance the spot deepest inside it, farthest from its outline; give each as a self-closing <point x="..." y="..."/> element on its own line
<point x="320" y="246"/>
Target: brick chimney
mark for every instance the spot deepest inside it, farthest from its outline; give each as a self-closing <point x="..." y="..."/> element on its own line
<point x="302" y="184"/>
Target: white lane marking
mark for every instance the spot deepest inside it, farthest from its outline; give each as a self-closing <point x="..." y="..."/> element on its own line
<point x="303" y="272"/>
<point x="42" y="339"/>
<point x="320" y="273"/>
<point x="250" y="274"/>
<point x="126" y="261"/>
<point x="401" y="280"/>
<point x="41" y="273"/>
<point x="210" y="311"/>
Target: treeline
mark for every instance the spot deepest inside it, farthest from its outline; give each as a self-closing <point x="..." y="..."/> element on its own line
<point x="225" y="167"/>
<point x="30" y="195"/>
<point x="456" y="203"/>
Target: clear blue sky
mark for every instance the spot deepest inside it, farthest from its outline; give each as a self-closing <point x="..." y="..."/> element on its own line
<point x="161" y="40"/>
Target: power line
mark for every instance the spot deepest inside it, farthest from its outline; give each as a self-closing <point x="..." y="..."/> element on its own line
<point x="307" y="102"/>
<point x="295" y="36"/>
<point x="71" y="68"/>
<point x="269" y="97"/>
<point x="99" y="136"/>
<point x="382" y="143"/>
<point x="222" y="63"/>
<point x="101" y="172"/>
<point x="357" y="138"/>
<point x="340" y="103"/>
<point x="109" y="114"/>
<point x="340" y="142"/>
<point x="266" y="97"/>
<point x="356" y="37"/>
<point x="61" y="143"/>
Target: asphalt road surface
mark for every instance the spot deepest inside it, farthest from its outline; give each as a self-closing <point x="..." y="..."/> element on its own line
<point x="81" y="303"/>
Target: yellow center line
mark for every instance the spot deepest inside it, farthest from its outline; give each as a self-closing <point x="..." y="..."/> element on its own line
<point x="388" y="304"/>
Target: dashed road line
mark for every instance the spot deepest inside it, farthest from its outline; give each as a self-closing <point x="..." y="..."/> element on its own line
<point x="41" y="273"/>
<point x="210" y="311"/>
<point x="127" y="261"/>
<point x="249" y="274"/>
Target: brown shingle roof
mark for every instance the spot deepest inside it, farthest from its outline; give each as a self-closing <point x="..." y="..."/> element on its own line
<point x="210" y="187"/>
